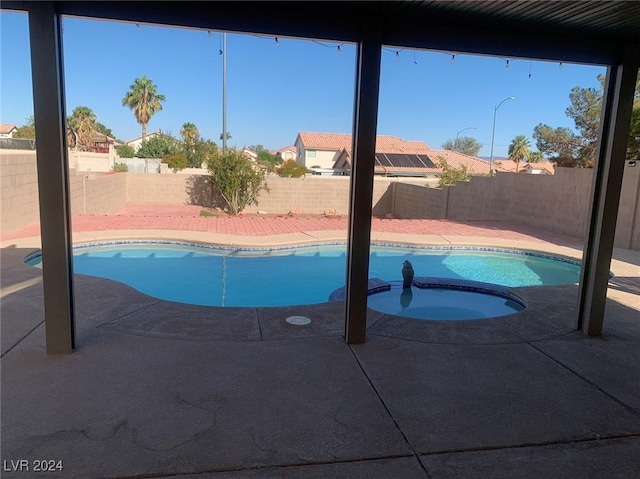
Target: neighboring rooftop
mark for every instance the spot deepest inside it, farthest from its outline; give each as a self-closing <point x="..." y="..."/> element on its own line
<point x="6" y="128"/>
<point x="339" y="141"/>
<point x="509" y="166"/>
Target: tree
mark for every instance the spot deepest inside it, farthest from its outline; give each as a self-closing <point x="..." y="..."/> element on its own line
<point x="567" y="148"/>
<point x="190" y="134"/>
<point x="144" y="100"/>
<point x="82" y="125"/>
<point x="291" y="169"/>
<point x="450" y="175"/>
<point x="100" y="128"/>
<point x="535" y="157"/>
<point x="465" y="144"/>
<point x="236" y="178"/>
<point x="560" y="144"/>
<point x="222" y="136"/>
<point x="158" y="146"/>
<point x="28" y="130"/>
<point x="125" y="151"/>
<point x="190" y="138"/>
<point x="519" y="150"/>
<point x="265" y="158"/>
<point x="204" y="150"/>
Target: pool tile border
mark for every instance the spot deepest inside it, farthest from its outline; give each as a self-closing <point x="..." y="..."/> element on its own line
<point x="313" y="244"/>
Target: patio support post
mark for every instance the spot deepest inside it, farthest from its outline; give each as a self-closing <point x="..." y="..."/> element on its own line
<point x="613" y="136"/>
<point x="362" y="170"/>
<point x="45" y="34"/>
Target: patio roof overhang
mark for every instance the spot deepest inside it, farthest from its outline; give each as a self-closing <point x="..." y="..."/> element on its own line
<point x="592" y="32"/>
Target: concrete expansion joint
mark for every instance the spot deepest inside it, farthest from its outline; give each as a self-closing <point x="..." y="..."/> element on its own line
<point x="595" y="438"/>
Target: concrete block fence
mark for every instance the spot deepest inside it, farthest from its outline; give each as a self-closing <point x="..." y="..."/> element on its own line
<point x="557" y="203"/>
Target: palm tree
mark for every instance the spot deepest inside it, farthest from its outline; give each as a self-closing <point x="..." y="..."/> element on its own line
<point x="535" y="157"/>
<point x="189" y="133"/>
<point x="519" y="150"/>
<point x="82" y="125"/>
<point x="144" y="100"/>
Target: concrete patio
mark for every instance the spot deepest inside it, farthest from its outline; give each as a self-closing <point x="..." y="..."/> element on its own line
<point x="161" y="389"/>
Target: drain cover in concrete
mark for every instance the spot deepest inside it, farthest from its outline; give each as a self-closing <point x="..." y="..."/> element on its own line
<point x="298" y="320"/>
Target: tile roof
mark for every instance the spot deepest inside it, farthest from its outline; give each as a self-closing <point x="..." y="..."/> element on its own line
<point x="6" y="128"/>
<point x="340" y="141"/>
<point x="284" y="148"/>
<point x="475" y="166"/>
<point x="392" y="145"/>
<point x="509" y="166"/>
<point x="153" y="133"/>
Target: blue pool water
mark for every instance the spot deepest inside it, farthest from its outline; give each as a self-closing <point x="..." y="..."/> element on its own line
<point x="441" y="303"/>
<point x="214" y="277"/>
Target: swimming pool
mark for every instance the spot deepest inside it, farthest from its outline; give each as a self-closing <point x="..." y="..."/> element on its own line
<point x="212" y="276"/>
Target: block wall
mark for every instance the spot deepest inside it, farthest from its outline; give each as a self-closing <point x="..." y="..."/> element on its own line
<point x="18" y="189"/>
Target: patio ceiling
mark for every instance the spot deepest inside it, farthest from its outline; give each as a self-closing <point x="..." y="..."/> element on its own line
<point x="580" y="31"/>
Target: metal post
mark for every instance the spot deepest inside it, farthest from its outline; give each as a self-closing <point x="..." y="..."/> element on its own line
<point x="45" y="34"/>
<point x="493" y="134"/>
<point x="455" y="148"/>
<point x="362" y="172"/>
<point x="613" y="137"/>
<point x="224" y="92"/>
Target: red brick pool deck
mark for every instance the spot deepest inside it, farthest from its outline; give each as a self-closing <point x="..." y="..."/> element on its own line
<point x="187" y="218"/>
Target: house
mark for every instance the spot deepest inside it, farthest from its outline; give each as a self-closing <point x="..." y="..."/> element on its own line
<point x="509" y="166"/>
<point x="136" y="142"/>
<point x="394" y="156"/>
<point x="286" y="153"/>
<point x="102" y="143"/>
<point x="247" y="153"/>
<point x="7" y="130"/>
<point x="320" y="150"/>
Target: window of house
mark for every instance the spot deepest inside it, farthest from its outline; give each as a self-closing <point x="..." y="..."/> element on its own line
<point x="311" y="153"/>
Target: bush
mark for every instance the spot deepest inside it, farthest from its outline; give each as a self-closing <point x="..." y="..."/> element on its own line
<point x="159" y="146"/>
<point x="292" y="169"/>
<point x="120" y="168"/>
<point x="125" y="151"/>
<point x="238" y="181"/>
<point x="176" y="162"/>
<point x="450" y="176"/>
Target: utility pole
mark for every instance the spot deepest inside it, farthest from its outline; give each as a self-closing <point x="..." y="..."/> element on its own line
<point x="224" y="92"/>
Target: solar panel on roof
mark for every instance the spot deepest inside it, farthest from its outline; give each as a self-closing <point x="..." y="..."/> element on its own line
<point x="399" y="160"/>
<point x="382" y="160"/>
<point x="427" y="161"/>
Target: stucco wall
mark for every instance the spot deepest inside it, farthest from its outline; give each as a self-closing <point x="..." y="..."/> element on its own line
<point x="310" y="194"/>
<point x="98" y="195"/>
<point x="18" y="189"/>
<point x="88" y="161"/>
<point x="323" y="158"/>
<point x="557" y="203"/>
<point x="89" y="193"/>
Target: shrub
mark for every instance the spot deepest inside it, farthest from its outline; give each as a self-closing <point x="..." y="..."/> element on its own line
<point x="292" y="169"/>
<point x="158" y="146"/>
<point x="125" y="151"/>
<point x="176" y="162"/>
<point x="237" y="179"/>
<point x="120" y="168"/>
<point x="450" y="176"/>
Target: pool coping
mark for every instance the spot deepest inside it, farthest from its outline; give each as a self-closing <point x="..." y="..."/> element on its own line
<point x="532" y="324"/>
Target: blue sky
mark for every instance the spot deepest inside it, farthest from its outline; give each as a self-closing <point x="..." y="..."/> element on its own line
<point x="275" y="90"/>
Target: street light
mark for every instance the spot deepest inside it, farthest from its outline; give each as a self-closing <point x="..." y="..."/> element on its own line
<point x="493" y="134"/>
<point x="455" y="148"/>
